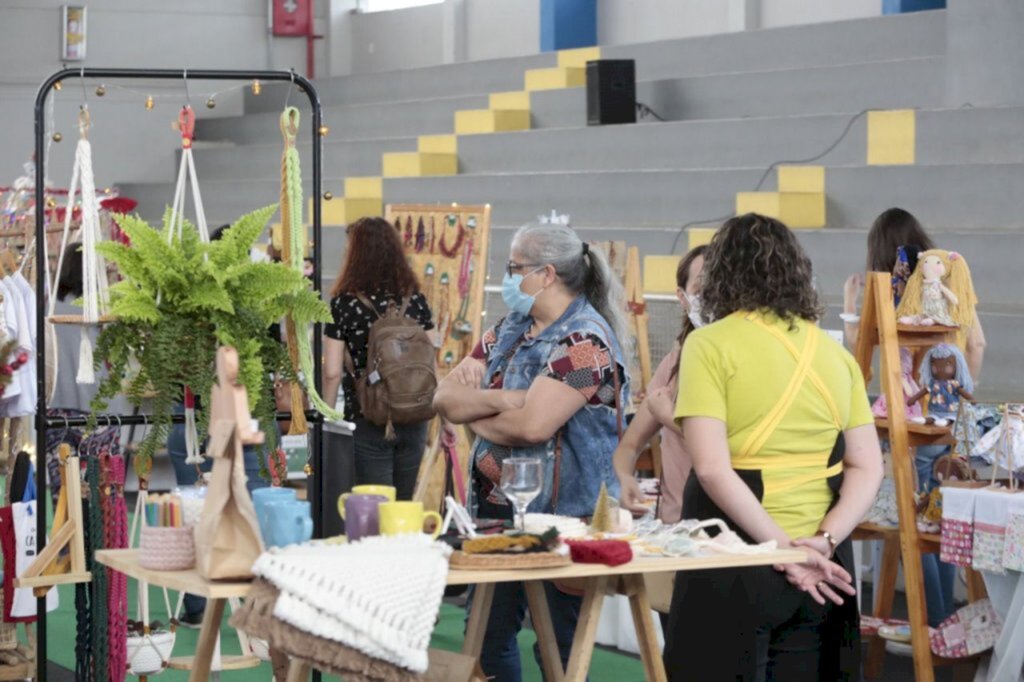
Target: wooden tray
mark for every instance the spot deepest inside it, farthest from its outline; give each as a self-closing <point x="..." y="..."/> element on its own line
<point x="78" y="319"/>
<point x="486" y="562"/>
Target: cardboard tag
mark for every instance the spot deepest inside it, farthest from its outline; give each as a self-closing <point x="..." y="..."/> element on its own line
<point x="373" y="377"/>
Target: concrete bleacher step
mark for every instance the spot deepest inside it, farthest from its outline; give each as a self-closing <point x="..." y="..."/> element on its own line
<point x="417" y="164"/>
<point x="915" y="82"/>
<point x="943" y="136"/>
<point x="920" y="34"/>
<point x="477" y="121"/>
<point x="407" y="118"/>
<point x="964" y="196"/>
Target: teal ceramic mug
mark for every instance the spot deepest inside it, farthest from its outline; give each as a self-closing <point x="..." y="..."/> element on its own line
<point x="288" y="522"/>
<point x="263" y="496"/>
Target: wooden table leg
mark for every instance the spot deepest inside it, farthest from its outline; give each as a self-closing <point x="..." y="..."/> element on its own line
<point x="207" y="640"/>
<point x="586" y="629"/>
<point x="540" y="616"/>
<point x="885" y="590"/>
<point x="479" y="614"/>
<point x="975" y="586"/>
<point x="298" y="671"/>
<point x="646" y="635"/>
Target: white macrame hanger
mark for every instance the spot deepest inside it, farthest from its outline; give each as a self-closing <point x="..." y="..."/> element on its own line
<point x="94" y="268"/>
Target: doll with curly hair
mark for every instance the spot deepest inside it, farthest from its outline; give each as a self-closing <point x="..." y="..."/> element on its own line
<point x="946" y="381"/>
<point x="939" y="291"/>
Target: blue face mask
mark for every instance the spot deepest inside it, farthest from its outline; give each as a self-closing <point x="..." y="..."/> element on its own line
<point x="514" y="297"/>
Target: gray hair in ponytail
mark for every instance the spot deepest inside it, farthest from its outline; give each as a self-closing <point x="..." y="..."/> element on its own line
<point x="581" y="269"/>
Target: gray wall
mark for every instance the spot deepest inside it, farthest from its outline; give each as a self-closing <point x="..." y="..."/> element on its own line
<point x="130" y="143"/>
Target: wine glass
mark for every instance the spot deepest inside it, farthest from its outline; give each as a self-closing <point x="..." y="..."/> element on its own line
<point x="521" y="482"/>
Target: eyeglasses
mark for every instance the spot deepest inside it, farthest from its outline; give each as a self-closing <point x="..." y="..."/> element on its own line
<point x="514" y="266"/>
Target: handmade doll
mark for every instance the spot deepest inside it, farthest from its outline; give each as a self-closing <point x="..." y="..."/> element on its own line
<point x="910" y="387"/>
<point x="939" y="292"/>
<point x="906" y="261"/>
<point x="946" y="380"/>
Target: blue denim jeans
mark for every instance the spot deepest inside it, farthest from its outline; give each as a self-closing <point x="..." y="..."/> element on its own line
<point x="500" y="655"/>
<point x="186" y="474"/>
<point x="939" y="577"/>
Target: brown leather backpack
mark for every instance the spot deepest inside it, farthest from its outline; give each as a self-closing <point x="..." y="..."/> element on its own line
<point x="398" y="384"/>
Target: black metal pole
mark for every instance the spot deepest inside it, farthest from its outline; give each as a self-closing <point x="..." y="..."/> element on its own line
<point x="41" y="421"/>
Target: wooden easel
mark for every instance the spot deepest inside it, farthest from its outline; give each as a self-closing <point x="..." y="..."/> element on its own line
<point x="49" y="568"/>
<point x="878" y="327"/>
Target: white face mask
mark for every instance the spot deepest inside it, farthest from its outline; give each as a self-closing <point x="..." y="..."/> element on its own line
<point x="694" y="305"/>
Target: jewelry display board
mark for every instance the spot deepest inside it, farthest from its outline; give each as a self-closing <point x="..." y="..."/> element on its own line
<point x="447" y="248"/>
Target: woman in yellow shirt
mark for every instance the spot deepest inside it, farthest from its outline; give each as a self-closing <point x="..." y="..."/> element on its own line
<point x="777" y="422"/>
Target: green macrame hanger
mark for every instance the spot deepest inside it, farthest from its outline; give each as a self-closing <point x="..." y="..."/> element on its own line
<point x="294" y="248"/>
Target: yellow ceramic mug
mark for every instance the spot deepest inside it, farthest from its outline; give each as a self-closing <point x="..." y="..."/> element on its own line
<point x="397" y="518"/>
<point x="387" y="491"/>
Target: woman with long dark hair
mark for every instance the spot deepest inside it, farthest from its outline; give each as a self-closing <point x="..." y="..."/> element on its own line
<point x="374" y="275"/>
<point x="784" y="448"/>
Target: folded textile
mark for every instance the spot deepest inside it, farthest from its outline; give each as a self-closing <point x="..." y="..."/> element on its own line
<point x="971" y="630"/>
<point x="256" y="618"/>
<point x="992" y="510"/>
<point x="608" y="552"/>
<point x="957" y="525"/>
<point x="380" y="595"/>
<point x="1013" y="550"/>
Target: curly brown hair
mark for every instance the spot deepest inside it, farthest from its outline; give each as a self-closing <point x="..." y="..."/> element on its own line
<point x="374" y="261"/>
<point x="755" y="263"/>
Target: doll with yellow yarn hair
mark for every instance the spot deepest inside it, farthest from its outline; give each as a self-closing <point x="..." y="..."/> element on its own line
<point x="939" y="292"/>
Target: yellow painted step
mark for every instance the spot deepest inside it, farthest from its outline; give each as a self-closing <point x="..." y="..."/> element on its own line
<point x="364" y="188"/>
<point x="438" y="144"/>
<point x="796" y="209"/>
<point x="801" y="178"/>
<point x="331" y="212"/>
<point x="416" y="164"/>
<point x="476" y="121"/>
<point x="660" y="274"/>
<point x="555" y="78"/>
<point x="579" y="56"/>
<point x="699" y="236"/>
<point x="354" y="208"/>
<point x="892" y="137"/>
<point x="516" y="99"/>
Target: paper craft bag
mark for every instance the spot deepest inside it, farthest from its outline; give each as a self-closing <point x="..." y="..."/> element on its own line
<point x="227" y="535"/>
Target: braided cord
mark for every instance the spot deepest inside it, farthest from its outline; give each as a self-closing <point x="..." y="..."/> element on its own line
<point x="291" y="218"/>
<point x="99" y="574"/>
<point x="83" y="634"/>
<point x="116" y="531"/>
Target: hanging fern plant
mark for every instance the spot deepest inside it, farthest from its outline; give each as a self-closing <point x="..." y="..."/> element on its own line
<point x="182" y="298"/>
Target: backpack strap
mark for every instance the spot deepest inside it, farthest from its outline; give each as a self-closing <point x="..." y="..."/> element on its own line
<point x="369" y="304"/>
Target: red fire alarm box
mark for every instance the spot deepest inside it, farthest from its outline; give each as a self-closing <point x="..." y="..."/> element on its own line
<point x="292" y="17"/>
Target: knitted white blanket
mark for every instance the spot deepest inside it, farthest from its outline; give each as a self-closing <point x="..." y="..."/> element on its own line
<point x="379" y="596"/>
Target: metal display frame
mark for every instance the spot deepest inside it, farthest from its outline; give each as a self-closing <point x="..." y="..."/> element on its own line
<point x="42" y="422"/>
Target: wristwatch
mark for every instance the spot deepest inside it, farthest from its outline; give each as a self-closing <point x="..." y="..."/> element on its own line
<point x="833" y="542"/>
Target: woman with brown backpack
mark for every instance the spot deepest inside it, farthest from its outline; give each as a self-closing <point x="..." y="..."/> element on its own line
<point x="378" y="350"/>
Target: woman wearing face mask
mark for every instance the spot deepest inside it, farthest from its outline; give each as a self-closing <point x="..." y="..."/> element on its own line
<point x="656" y="411"/>
<point x="548" y="381"/>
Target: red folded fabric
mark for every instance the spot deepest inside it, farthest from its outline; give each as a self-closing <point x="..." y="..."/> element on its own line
<point x="608" y="552"/>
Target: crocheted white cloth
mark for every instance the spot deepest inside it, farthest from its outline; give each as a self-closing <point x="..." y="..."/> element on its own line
<point x="379" y="596"/>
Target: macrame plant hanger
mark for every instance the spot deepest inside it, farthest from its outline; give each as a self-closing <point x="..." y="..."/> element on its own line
<point x="293" y="251"/>
<point x="176" y="226"/>
<point x="95" y="299"/>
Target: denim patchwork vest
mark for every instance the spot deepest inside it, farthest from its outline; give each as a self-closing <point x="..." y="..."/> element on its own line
<point x="589" y="438"/>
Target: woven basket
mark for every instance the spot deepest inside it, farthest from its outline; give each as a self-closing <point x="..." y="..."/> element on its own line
<point x="8" y="631"/>
<point x="149" y="654"/>
<point x="167" y="549"/>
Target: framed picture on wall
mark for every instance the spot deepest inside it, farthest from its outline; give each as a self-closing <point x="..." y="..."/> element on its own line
<point x="72" y="33"/>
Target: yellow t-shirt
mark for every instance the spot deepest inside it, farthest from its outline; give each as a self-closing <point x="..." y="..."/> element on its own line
<point x="739" y="372"/>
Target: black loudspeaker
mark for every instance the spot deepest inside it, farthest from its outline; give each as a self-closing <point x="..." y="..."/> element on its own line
<point x="611" y="91"/>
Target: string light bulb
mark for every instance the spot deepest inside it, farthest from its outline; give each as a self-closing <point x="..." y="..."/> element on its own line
<point x="257" y="87"/>
<point x="211" y="103"/>
<point x="101" y="90"/>
<point x="58" y="85"/>
<point x="324" y="130"/>
<point x="57" y="137"/>
<point x="149" y="102"/>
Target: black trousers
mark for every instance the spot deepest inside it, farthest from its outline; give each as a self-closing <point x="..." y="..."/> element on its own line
<point x="746" y="625"/>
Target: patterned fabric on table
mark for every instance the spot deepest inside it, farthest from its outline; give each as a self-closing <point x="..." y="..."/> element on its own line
<point x="991" y="512"/>
<point x="1013" y="549"/>
<point x="957" y="525"/>
<point x="971" y="630"/>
